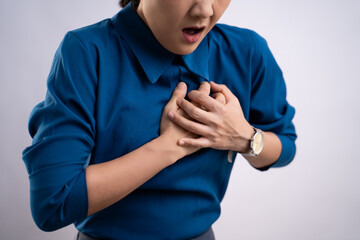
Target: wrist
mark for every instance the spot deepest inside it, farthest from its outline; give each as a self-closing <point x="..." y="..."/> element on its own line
<point x="244" y="139"/>
<point x="168" y="149"/>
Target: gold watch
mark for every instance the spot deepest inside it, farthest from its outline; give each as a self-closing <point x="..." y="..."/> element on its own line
<point x="256" y="143"/>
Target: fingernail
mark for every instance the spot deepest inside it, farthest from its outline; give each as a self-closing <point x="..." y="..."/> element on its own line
<point x="179" y="101"/>
<point x="171" y="115"/>
<point x="181" y="142"/>
<point x="181" y="85"/>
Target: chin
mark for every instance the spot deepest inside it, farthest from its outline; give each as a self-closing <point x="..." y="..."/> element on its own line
<point x="184" y="50"/>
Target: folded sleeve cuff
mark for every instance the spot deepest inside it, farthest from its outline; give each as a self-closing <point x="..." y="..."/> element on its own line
<point x="287" y="153"/>
<point x="54" y="207"/>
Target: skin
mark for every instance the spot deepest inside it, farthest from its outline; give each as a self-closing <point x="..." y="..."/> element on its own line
<point x="186" y="126"/>
<point x="167" y="18"/>
<point x="222" y="125"/>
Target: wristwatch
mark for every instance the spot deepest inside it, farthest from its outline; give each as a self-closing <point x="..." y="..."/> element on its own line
<point x="256" y="143"/>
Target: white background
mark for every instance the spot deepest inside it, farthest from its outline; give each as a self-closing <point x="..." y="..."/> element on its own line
<point x="317" y="45"/>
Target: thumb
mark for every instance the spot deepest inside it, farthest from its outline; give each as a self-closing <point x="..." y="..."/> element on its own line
<point x="221" y="88"/>
<point x="179" y="92"/>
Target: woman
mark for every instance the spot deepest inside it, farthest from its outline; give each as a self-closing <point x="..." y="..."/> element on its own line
<point x="110" y="158"/>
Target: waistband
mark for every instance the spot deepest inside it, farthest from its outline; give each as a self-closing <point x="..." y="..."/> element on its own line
<point x="207" y="235"/>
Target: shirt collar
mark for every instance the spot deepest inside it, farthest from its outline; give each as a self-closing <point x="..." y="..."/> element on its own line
<point x="153" y="57"/>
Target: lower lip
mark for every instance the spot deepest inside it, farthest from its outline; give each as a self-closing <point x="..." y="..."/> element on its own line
<point x="192" y="38"/>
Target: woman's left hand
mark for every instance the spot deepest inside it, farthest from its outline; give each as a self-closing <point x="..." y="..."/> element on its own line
<point x="219" y="125"/>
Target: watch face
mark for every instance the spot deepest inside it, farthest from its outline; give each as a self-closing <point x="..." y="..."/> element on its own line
<point x="258" y="143"/>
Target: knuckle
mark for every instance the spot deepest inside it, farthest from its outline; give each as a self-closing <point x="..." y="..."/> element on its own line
<point x="193" y="128"/>
<point x="223" y="109"/>
<point x="220" y="96"/>
<point x="211" y="106"/>
<point x="216" y="140"/>
<point x="195" y="113"/>
<point x="195" y="144"/>
<point x="202" y="98"/>
<point x="192" y="93"/>
<point x="215" y="122"/>
<point x="212" y="135"/>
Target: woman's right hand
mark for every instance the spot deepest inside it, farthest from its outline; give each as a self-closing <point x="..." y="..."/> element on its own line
<point x="173" y="132"/>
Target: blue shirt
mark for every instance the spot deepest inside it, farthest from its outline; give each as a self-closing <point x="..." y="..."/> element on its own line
<point x="106" y="91"/>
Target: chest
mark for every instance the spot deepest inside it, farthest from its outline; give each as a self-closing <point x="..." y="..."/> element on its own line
<point x="129" y="107"/>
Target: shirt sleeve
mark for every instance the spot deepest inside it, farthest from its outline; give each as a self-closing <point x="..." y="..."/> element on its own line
<point x="63" y="132"/>
<point x="269" y="109"/>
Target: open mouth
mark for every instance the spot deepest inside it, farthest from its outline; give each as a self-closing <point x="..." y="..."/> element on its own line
<point x="192" y="30"/>
<point x="192" y="34"/>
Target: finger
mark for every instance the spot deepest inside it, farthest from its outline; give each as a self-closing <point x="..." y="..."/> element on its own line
<point x="201" y="142"/>
<point x="219" y="97"/>
<point x="206" y="101"/>
<point x="221" y="88"/>
<point x="179" y="92"/>
<point x="205" y="88"/>
<point x="191" y="126"/>
<point x="194" y="112"/>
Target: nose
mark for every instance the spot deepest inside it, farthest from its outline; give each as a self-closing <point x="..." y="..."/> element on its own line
<point x="202" y="9"/>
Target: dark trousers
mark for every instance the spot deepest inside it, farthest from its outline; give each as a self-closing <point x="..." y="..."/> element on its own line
<point x="208" y="235"/>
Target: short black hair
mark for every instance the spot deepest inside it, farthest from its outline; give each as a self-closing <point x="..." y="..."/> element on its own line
<point x="134" y="3"/>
